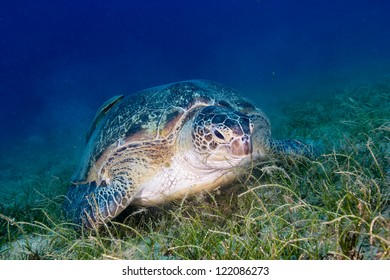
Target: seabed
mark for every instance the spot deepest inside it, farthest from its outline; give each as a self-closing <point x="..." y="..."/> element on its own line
<point x="333" y="207"/>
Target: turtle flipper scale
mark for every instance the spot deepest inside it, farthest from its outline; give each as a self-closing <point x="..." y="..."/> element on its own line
<point x="90" y="205"/>
<point x="295" y="147"/>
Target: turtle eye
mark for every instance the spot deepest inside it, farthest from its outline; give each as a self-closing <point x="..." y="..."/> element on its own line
<point x="218" y="135"/>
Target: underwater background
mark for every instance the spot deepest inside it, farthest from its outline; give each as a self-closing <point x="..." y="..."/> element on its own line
<point x="60" y="60"/>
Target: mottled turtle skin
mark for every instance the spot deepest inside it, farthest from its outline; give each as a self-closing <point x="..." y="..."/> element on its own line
<point x="165" y="143"/>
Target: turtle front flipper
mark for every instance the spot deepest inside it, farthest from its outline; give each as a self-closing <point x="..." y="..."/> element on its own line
<point x="90" y="205"/>
<point x="294" y="147"/>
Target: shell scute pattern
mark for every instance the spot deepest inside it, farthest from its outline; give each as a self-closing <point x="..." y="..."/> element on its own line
<point x="153" y="113"/>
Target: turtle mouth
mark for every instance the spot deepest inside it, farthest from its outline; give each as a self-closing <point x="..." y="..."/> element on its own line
<point x="242" y="146"/>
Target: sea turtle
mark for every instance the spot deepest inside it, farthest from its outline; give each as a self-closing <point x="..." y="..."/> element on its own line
<point x="165" y="143"/>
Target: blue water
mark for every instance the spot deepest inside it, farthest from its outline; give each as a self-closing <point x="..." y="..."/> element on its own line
<point x="60" y="59"/>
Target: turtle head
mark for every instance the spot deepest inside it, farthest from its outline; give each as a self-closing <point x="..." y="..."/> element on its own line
<point x="222" y="133"/>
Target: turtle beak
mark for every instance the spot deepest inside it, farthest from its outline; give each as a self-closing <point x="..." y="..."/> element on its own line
<point x="242" y="146"/>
